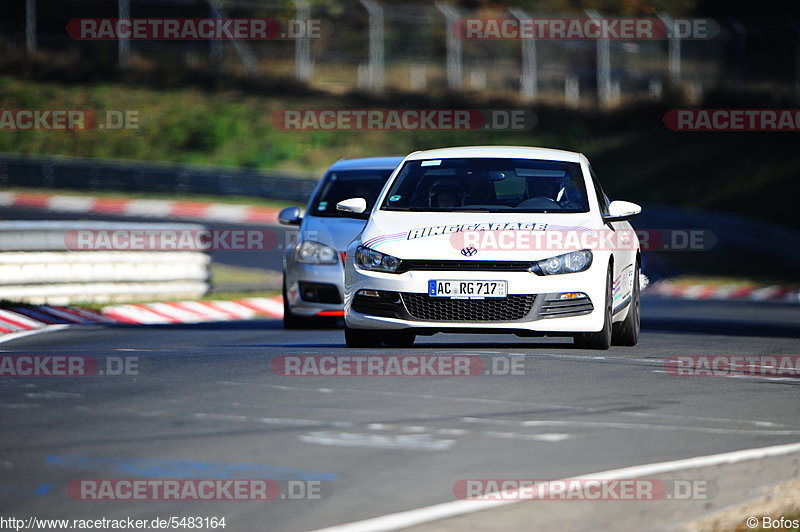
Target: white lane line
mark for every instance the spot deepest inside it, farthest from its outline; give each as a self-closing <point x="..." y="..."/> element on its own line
<point x="618" y="425"/>
<point x="416" y="442"/>
<point x="436" y="512"/>
<point x="520" y="403"/>
<point x="22" y="334"/>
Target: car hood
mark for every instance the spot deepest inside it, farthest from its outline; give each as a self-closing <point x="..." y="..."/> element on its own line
<point x="336" y="232"/>
<point x="443" y="236"/>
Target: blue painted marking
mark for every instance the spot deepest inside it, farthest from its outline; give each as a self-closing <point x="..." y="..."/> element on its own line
<point x="44" y="489"/>
<point x="168" y="468"/>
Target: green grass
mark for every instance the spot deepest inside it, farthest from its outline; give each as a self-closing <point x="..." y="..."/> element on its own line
<point x="635" y="155"/>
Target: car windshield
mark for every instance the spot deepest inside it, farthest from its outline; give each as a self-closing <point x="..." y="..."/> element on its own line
<point x="343" y="185"/>
<point x="488" y="184"/>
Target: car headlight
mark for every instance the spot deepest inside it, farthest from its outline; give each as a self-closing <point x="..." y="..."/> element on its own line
<point x="310" y="252"/>
<point x="574" y="262"/>
<point x="369" y="259"/>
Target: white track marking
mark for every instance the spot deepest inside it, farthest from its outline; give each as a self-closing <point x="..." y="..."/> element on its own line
<point x="416" y="442"/>
<point x="436" y="512"/>
<point x="22" y="334"/>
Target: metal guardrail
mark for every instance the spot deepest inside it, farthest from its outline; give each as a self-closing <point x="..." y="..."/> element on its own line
<point x="133" y="176"/>
<point x="37" y="265"/>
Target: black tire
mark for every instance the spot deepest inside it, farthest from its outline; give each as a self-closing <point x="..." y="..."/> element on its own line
<point x="627" y="332"/>
<point x="601" y="339"/>
<point x="361" y="337"/>
<point x="290" y="319"/>
<point x="399" y="338"/>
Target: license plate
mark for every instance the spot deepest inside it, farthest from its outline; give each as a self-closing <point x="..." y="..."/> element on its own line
<point x="457" y="289"/>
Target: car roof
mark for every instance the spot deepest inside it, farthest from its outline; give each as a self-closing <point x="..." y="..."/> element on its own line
<point x="366" y="163"/>
<point x="510" y="152"/>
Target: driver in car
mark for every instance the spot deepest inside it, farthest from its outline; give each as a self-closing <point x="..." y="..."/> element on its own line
<point x="446" y="193"/>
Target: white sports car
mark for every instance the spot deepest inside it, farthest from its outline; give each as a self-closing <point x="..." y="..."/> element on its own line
<point x="493" y="239"/>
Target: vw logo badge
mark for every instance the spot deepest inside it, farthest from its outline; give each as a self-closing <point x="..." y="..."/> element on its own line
<point x="469" y="251"/>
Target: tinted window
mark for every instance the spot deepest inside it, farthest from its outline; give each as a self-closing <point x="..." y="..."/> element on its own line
<point x="340" y="186"/>
<point x="488" y="184"/>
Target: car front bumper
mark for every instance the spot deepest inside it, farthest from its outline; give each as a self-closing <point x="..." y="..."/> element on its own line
<point x="414" y="309"/>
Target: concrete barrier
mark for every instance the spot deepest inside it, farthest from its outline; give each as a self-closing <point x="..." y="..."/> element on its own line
<point x="37" y="266"/>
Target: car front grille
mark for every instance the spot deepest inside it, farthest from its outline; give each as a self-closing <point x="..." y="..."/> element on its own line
<point x="464" y="265"/>
<point x="511" y="308"/>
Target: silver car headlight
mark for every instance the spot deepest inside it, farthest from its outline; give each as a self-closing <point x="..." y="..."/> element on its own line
<point x="574" y="262"/>
<point x="369" y="259"/>
<point x="310" y="252"/>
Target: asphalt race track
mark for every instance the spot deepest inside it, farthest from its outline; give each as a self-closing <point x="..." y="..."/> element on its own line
<point x="206" y="404"/>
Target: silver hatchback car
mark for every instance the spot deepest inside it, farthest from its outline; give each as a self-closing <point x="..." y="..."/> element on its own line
<point x="313" y="268"/>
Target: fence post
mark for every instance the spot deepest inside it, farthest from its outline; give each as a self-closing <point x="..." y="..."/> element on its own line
<point x="529" y="83"/>
<point x="124" y="45"/>
<point x="30" y="26"/>
<point x="376" y="44"/>
<point x="603" y="65"/>
<point x="674" y="49"/>
<point x="455" y="68"/>
<point x="302" y="49"/>
<point x="242" y="50"/>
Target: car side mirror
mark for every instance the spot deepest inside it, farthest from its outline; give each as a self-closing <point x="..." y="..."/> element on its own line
<point x="290" y="216"/>
<point x="619" y="211"/>
<point x="353" y="208"/>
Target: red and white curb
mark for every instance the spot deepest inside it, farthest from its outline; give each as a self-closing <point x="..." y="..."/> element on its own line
<point x="196" y="311"/>
<point x="29" y="318"/>
<point x="723" y="291"/>
<point x="217" y="212"/>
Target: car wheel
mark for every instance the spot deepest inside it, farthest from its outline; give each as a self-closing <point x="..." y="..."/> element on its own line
<point x="627" y="332"/>
<point x="291" y="320"/>
<point x="361" y="337"/>
<point x="399" y="339"/>
<point x="601" y="339"/>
